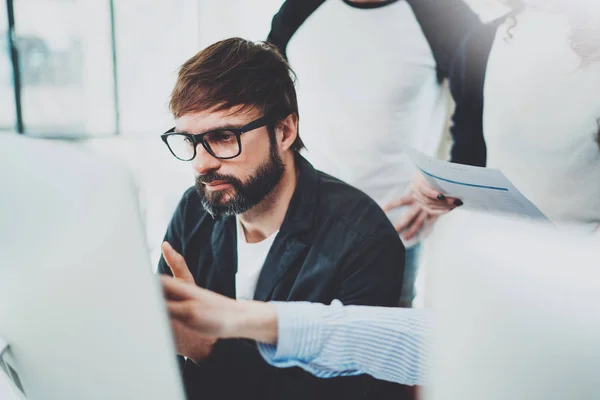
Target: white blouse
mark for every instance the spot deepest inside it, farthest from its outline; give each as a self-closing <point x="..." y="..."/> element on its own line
<point x="541" y="111"/>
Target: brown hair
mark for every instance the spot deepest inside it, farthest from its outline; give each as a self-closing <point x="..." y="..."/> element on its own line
<point x="237" y="72"/>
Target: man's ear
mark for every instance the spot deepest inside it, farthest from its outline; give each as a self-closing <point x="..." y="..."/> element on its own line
<point x="287" y="131"/>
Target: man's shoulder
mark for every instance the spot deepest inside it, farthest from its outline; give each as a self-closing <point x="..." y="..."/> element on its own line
<point x="348" y="207"/>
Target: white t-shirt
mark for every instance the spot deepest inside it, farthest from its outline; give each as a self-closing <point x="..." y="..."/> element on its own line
<point x="540" y="112"/>
<point x="251" y="258"/>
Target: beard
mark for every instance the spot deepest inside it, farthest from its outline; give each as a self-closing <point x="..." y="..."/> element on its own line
<point x="242" y="196"/>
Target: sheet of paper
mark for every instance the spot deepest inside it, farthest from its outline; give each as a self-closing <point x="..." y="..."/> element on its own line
<point x="479" y="188"/>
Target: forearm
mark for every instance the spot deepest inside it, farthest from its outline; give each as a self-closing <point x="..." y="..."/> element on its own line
<point x="253" y="320"/>
<point x="328" y="341"/>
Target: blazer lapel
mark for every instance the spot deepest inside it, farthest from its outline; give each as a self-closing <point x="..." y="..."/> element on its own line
<point x="288" y="246"/>
<point x="281" y="257"/>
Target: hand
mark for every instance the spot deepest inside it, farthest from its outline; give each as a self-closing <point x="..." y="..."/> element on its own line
<point x="413" y="220"/>
<point x="213" y="316"/>
<point x="432" y="201"/>
<point x="426" y="205"/>
<point x="187" y="341"/>
<point x="176" y="263"/>
<point x="191" y="344"/>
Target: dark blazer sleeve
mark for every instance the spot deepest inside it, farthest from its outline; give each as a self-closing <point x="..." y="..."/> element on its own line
<point x="288" y="19"/>
<point x="372" y="273"/>
<point x="467" y="82"/>
<point x="234" y="367"/>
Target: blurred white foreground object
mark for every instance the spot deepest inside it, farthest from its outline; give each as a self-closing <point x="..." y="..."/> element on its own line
<point x="79" y="306"/>
<point x="518" y="311"/>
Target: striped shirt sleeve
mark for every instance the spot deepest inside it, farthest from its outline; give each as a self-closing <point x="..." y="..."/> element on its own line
<point x="392" y="344"/>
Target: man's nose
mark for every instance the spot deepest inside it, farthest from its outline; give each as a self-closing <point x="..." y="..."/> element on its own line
<point x="204" y="162"/>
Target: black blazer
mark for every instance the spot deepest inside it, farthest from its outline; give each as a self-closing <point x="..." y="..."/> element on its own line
<point x="335" y="243"/>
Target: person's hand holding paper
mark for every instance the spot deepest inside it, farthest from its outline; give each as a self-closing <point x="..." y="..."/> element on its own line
<point x="426" y="205"/>
<point x="433" y="200"/>
<point x="478" y="188"/>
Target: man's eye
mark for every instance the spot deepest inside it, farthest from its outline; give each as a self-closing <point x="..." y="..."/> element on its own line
<point x="225" y="137"/>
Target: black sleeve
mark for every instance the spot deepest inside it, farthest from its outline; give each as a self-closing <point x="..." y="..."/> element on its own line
<point x="236" y="369"/>
<point x="445" y="24"/>
<point x="372" y="274"/>
<point x="233" y="368"/>
<point x="467" y="81"/>
<point x="288" y="19"/>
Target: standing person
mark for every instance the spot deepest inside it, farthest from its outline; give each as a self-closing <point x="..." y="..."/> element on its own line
<point x="542" y="110"/>
<point x="370" y="78"/>
<point x="261" y="223"/>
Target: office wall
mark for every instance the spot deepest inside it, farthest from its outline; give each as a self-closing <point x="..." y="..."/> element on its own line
<point x="226" y="18"/>
<point x="152" y="41"/>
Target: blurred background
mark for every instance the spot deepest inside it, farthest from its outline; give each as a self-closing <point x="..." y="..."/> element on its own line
<point x="98" y="73"/>
<point x="100" y="68"/>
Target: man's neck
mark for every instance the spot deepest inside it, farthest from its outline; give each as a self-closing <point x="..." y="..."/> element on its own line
<point x="266" y="217"/>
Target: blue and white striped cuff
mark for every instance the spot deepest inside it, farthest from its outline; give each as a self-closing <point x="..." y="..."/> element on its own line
<point x="301" y="332"/>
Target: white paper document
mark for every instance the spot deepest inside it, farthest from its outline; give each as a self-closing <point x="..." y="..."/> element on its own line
<point x="479" y="188"/>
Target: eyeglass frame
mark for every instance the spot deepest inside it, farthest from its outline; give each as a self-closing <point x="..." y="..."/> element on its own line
<point x="198" y="138"/>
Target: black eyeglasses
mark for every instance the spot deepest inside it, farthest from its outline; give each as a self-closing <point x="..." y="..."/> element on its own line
<point x="223" y="143"/>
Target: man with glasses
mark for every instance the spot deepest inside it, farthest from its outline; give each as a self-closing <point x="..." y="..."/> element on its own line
<point x="261" y="223"/>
